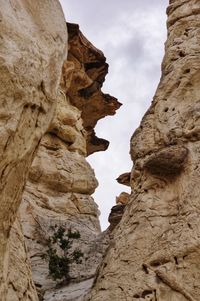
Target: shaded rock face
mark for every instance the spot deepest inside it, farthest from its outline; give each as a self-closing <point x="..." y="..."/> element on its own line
<point x="167" y="162"/>
<point x="115" y="215"/>
<point x="124" y="179"/>
<point x="155" y="252"/>
<point x="117" y="212"/>
<point x="32" y="50"/>
<point x="61" y="182"/>
<point x="83" y="75"/>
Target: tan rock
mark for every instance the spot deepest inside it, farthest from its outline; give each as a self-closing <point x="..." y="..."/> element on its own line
<point x="32" y="51"/>
<point x="115" y="216"/>
<point x="59" y="193"/>
<point x="61" y="182"/>
<point x="117" y="211"/>
<point x="155" y="251"/>
<point x="86" y="68"/>
<point x="67" y="125"/>
<point x="123" y="198"/>
<point x="169" y="161"/>
<point x="20" y="282"/>
<point x="61" y="170"/>
<point x="124" y="179"/>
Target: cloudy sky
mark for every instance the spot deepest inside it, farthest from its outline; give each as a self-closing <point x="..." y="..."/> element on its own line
<point x="131" y="33"/>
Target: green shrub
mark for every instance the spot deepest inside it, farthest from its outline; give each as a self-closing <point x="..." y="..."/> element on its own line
<point x="61" y="242"/>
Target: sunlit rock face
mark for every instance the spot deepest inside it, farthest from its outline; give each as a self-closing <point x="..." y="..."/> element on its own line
<point x="155" y="253"/>
<point x="61" y="182"/>
<point x="32" y="51"/>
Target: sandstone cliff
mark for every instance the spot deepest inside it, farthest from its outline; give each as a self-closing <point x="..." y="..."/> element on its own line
<point x="60" y="184"/>
<point x="155" y="251"/>
<point x="32" y="50"/>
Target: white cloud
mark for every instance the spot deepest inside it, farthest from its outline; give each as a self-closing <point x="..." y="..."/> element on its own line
<point x="131" y="33"/>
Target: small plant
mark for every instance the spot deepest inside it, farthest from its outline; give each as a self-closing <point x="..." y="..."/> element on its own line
<point x="60" y="255"/>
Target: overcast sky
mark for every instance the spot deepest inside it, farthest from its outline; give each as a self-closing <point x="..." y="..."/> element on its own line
<point x="131" y="33"/>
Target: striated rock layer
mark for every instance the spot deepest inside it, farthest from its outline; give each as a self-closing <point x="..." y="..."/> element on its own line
<point x="61" y="182"/>
<point x="32" y="50"/>
<point x="155" y="254"/>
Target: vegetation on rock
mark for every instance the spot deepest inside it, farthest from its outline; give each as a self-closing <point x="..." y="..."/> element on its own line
<point x="61" y="254"/>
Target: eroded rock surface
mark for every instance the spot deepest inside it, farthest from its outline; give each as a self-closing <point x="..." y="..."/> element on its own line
<point x="61" y="182"/>
<point x="155" y="252"/>
<point x="32" y="50"/>
<point x="124" y="179"/>
<point x="20" y="281"/>
<point x="86" y="69"/>
<point x="115" y="215"/>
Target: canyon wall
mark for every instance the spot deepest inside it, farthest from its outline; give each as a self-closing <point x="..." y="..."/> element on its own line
<point x="58" y="192"/>
<point x="32" y="51"/>
<point x="155" y="252"/>
<point x="49" y="108"/>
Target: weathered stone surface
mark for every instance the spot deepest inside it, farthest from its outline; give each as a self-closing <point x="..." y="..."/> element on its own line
<point x="61" y="182"/>
<point x="117" y="212"/>
<point x="83" y="76"/>
<point x="74" y="292"/>
<point x="67" y="125"/>
<point x="155" y="252"/>
<point x="32" y="50"/>
<point x="20" y="282"/>
<point x="58" y="169"/>
<point x="43" y="209"/>
<point x="115" y="215"/>
<point x="123" y="198"/>
<point x="124" y="179"/>
<point x="167" y="162"/>
<point x="58" y="192"/>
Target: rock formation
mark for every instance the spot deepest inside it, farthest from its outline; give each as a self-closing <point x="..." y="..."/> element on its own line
<point x="117" y="211"/>
<point x="60" y="184"/>
<point x="155" y="252"/>
<point x="125" y="179"/>
<point x="83" y="75"/>
<point x="32" y="50"/>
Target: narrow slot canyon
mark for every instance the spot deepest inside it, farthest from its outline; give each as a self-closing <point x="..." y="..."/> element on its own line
<point x="99" y="184"/>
